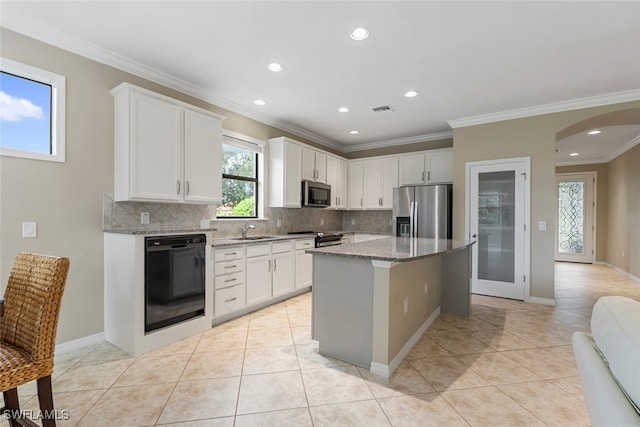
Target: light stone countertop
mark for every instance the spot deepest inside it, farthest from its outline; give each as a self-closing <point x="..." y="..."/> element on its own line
<point x="156" y="230"/>
<point x="395" y="249"/>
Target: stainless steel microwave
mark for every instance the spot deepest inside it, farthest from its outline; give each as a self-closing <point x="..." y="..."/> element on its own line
<point x="316" y="194"/>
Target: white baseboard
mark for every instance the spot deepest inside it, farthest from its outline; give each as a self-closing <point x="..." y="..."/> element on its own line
<point x="68" y="346"/>
<point x="545" y="301"/>
<point x="386" y="370"/>
<point x="619" y="270"/>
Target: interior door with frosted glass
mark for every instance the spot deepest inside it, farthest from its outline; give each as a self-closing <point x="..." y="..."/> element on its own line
<point x="497" y="211"/>
<point x="575" y="221"/>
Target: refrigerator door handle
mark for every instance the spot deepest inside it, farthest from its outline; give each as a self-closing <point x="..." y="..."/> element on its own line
<point x="412" y="219"/>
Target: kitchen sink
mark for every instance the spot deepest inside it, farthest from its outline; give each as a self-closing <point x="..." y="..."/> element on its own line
<point x="255" y="238"/>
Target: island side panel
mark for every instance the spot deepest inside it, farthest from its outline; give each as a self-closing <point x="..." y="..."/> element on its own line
<point x="456" y="282"/>
<point x="408" y="280"/>
<point x="342" y="307"/>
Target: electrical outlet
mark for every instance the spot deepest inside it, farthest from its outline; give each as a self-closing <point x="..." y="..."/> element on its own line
<point x="205" y="223"/>
<point x="278" y="222"/>
<point x="623" y="253"/>
<point x="29" y="229"/>
<point x="542" y="225"/>
<point x="144" y="218"/>
<point x="321" y="221"/>
<point x="353" y="221"/>
<point x="426" y="288"/>
<point x="406" y="305"/>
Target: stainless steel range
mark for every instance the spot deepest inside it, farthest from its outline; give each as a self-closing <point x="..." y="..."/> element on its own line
<point x="323" y="239"/>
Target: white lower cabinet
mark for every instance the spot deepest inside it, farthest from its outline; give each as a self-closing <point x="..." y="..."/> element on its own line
<point x="304" y="263"/>
<point x="269" y="271"/>
<point x="229" y="282"/>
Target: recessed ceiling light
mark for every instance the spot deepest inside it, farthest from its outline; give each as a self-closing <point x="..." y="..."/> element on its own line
<point x="354" y="132"/>
<point x="574" y="154"/>
<point x="259" y="102"/>
<point x="359" y="33"/>
<point x="411" y="94"/>
<point x="343" y="109"/>
<point x="275" y="67"/>
<point x="594" y="132"/>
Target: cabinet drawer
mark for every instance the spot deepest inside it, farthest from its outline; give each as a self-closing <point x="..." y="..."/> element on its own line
<point x="229" y="299"/>
<point x="258" y="250"/>
<point x="226" y="254"/>
<point x="282" y="247"/>
<point x="304" y="244"/>
<point x="226" y="267"/>
<point x="228" y="280"/>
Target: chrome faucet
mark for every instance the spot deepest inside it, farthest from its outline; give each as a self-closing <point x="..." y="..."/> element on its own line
<point x="246" y="227"/>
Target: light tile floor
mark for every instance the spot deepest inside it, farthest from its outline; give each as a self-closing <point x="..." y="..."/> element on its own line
<point x="509" y="364"/>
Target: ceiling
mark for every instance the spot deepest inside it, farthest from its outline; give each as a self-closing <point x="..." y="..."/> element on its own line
<point x="470" y="62"/>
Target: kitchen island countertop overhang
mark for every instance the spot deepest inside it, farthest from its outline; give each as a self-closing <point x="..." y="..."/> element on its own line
<point x="373" y="300"/>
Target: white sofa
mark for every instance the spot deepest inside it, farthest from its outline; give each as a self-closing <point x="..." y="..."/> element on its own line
<point x="608" y="361"/>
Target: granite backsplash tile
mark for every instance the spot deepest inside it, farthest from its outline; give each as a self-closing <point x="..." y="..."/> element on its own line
<point x="368" y="221"/>
<point x="167" y="216"/>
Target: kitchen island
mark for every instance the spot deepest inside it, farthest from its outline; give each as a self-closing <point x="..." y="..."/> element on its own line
<point x="373" y="300"/>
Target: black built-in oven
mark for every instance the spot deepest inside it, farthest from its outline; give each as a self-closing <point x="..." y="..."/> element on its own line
<point x="174" y="279"/>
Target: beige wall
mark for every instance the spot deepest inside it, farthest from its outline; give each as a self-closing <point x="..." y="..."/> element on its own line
<point x="534" y="137"/>
<point x="602" y="208"/>
<point x="623" y="247"/>
<point x="65" y="199"/>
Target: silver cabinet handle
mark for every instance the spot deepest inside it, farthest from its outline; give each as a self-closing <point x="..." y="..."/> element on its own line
<point x="360" y="201"/>
<point x="231" y="280"/>
<point x="230" y="266"/>
<point x="275" y="264"/>
<point x="422" y="176"/>
<point x="178" y="187"/>
<point x="230" y="253"/>
<point x="429" y="176"/>
<point x="231" y="299"/>
<point x="269" y="269"/>
<point x="187" y="187"/>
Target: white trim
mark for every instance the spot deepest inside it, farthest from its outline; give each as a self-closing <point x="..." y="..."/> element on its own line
<point x="580" y="162"/>
<point x="555" y="107"/>
<point x="79" y="343"/>
<point x="386" y="370"/>
<point x="626" y="147"/>
<point x="58" y="110"/>
<point x="399" y="141"/>
<point x="619" y="270"/>
<point x="242" y="137"/>
<point x="538" y="300"/>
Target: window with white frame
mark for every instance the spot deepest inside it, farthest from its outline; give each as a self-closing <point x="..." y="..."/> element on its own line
<point x="241" y="176"/>
<point x="32" y="112"/>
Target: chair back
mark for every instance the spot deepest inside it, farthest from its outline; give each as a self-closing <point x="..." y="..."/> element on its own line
<point x="32" y="304"/>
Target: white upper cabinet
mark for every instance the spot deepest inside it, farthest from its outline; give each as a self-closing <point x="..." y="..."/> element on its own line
<point x="371" y="182"/>
<point x="314" y="165"/>
<point x="337" y="179"/>
<point x="165" y="150"/>
<point x="285" y="183"/>
<point x="380" y="177"/>
<point x="427" y="167"/>
<point x="355" y="191"/>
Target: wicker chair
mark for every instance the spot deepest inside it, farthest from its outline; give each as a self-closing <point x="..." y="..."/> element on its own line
<point x="28" y="328"/>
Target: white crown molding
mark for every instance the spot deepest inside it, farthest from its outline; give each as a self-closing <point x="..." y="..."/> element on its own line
<point x="399" y="141"/>
<point x="626" y="147"/>
<point x="556" y="107"/>
<point x="580" y="162"/>
<point x="62" y="40"/>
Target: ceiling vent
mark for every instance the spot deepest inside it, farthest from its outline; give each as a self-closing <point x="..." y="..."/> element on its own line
<point x="383" y="109"/>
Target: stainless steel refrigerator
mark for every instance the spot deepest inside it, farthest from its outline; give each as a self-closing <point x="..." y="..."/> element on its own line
<point x="423" y="211"/>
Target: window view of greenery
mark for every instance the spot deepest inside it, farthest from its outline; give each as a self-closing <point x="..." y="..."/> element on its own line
<point x="25" y="114"/>
<point x="239" y="183"/>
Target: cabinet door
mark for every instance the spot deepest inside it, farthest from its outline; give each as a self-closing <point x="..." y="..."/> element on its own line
<point x="282" y="273"/>
<point x="304" y="269"/>
<point x="440" y="167"/>
<point x="372" y="184"/>
<point x="412" y="169"/>
<point x="356" y="170"/>
<point x="389" y="181"/>
<point x="321" y="167"/>
<point x="332" y="179"/>
<point x="342" y="184"/>
<point x="258" y="279"/>
<point x="308" y="164"/>
<point x="156" y="149"/>
<point x="202" y="158"/>
<point x="292" y="175"/>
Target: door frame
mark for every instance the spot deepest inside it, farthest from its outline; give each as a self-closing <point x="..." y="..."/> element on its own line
<point x="527" y="212"/>
<point x="594" y="212"/>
